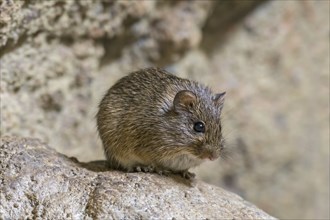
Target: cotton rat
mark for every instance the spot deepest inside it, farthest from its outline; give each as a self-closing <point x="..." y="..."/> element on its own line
<point x="153" y="121"/>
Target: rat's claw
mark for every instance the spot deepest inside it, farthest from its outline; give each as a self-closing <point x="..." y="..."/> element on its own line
<point x="137" y="169"/>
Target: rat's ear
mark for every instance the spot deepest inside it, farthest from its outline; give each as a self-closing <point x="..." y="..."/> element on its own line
<point x="219" y="99"/>
<point x="184" y="99"/>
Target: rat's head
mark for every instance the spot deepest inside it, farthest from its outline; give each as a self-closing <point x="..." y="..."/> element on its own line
<point x="195" y="126"/>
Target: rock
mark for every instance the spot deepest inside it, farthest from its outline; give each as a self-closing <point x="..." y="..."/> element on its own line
<point x="37" y="182"/>
<point x="57" y="59"/>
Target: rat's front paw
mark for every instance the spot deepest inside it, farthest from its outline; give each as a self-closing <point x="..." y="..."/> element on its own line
<point x="145" y="169"/>
<point x="163" y="172"/>
<point x="187" y="175"/>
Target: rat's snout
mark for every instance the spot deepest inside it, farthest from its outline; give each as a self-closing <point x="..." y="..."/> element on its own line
<point x="210" y="154"/>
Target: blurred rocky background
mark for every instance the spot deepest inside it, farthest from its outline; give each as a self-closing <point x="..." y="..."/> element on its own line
<point x="58" y="58"/>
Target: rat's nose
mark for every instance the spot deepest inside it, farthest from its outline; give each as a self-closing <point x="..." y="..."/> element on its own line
<point x="213" y="156"/>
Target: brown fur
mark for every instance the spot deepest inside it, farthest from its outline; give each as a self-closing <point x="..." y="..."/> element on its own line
<point x="140" y="126"/>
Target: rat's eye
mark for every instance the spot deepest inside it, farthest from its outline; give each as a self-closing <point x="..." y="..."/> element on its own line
<point x="199" y="126"/>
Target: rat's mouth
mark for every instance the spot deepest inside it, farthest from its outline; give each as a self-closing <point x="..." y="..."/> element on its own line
<point x="212" y="158"/>
<point x="209" y="155"/>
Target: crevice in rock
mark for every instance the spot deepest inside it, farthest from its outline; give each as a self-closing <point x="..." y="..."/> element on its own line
<point x="113" y="47"/>
<point x="224" y="16"/>
<point x="12" y="45"/>
<point x="87" y="210"/>
<point x="244" y="152"/>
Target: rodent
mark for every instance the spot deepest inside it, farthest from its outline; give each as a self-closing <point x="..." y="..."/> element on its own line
<point x="153" y="121"/>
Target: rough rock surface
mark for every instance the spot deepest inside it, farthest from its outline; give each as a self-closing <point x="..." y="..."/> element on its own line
<point x="57" y="58"/>
<point x="37" y="182"/>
